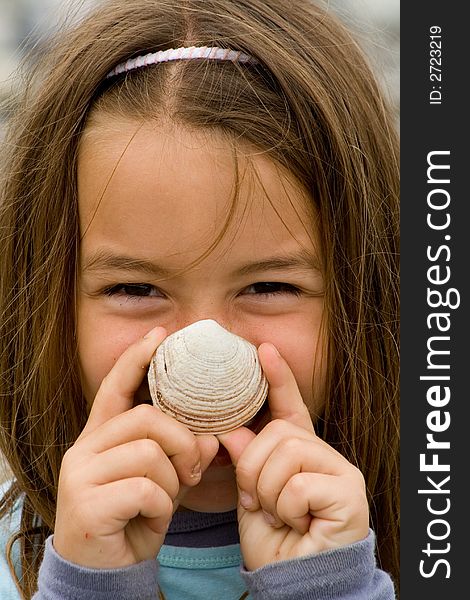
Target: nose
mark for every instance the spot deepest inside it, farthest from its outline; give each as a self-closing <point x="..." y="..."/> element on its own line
<point x="229" y="319"/>
<point x="202" y="310"/>
<point x="213" y="306"/>
<point x="231" y="322"/>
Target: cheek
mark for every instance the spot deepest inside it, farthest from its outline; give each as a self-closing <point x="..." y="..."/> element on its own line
<point x="304" y="357"/>
<point x="100" y="344"/>
<point x="303" y="348"/>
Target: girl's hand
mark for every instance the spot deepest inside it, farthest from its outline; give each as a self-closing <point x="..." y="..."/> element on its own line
<point x="297" y="495"/>
<point x="120" y="482"/>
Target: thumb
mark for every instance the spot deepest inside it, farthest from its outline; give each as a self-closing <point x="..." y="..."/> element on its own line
<point x="116" y="392"/>
<point x="236" y="441"/>
<point x="285" y="400"/>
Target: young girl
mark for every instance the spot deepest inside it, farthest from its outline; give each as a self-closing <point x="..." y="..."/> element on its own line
<point x="178" y="160"/>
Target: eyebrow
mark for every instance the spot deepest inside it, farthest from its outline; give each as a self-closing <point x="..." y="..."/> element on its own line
<point x="104" y="260"/>
<point x="297" y="260"/>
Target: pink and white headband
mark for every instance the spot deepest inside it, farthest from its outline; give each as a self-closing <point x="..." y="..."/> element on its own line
<point x="211" y="53"/>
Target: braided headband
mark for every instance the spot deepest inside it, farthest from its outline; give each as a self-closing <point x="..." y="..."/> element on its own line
<point x="190" y="53"/>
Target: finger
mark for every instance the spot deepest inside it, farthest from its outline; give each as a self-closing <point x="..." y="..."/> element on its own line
<point x="307" y="495"/>
<point x="208" y="446"/>
<point x="145" y="421"/>
<point x="100" y="516"/>
<point x="292" y="456"/>
<point x="337" y="511"/>
<point x="256" y="454"/>
<point x="139" y="458"/>
<point x="285" y="400"/>
<point x="250" y="462"/>
<point x="128" y="498"/>
<point x="236" y="441"/>
<point x="116" y="392"/>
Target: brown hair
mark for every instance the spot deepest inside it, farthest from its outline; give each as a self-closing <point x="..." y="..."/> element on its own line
<point x="313" y="105"/>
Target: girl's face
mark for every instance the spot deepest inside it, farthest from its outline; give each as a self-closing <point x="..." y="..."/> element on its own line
<point x="152" y="201"/>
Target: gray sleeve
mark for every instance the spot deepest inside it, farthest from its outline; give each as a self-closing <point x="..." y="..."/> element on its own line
<point x="347" y="573"/>
<point x="62" y="580"/>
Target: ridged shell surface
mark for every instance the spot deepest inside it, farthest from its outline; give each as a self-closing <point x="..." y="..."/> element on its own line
<point x="207" y="378"/>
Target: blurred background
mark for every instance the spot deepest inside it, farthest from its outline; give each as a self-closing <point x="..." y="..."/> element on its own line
<point x="26" y="24"/>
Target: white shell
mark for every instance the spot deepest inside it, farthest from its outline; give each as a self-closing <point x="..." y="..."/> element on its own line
<point x="207" y="378"/>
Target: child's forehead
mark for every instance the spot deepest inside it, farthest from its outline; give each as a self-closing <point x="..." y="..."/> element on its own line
<point x="127" y="149"/>
<point x="146" y="180"/>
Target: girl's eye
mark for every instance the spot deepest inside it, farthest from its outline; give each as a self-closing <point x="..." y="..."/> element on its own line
<point x="141" y="290"/>
<point x="270" y="288"/>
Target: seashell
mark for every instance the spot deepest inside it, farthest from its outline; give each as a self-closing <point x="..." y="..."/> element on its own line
<point x="207" y="378"/>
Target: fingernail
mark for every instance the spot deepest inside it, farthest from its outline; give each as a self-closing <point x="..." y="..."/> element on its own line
<point x="276" y="351"/>
<point x="246" y="500"/>
<point x="270" y="520"/>
<point x="196" y="471"/>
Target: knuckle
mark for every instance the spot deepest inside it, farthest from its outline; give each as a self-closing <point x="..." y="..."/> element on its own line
<point x="355" y="510"/>
<point x="68" y="465"/>
<point x="68" y="457"/>
<point x="67" y="482"/>
<point x="297" y="485"/>
<point x="355" y="474"/>
<point x="264" y="491"/>
<point x="290" y="445"/>
<point x="361" y="505"/>
<point x="143" y="413"/>
<point x="106" y="383"/>
<point x="358" y="498"/>
<point x="167" y="511"/>
<point x="149" y="450"/>
<point x="173" y="489"/>
<point x="146" y="489"/>
<point x="277" y="427"/>
<point x="244" y="471"/>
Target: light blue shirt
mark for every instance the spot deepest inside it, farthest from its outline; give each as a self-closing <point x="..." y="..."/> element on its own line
<point x="347" y="573"/>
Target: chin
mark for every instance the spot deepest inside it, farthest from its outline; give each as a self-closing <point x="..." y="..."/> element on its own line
<point x="217" y="491"/>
